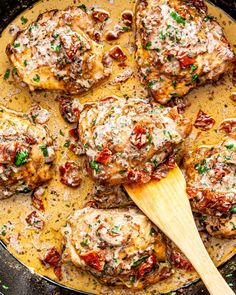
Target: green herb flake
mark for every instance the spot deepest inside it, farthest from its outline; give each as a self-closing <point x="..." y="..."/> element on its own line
<point x="24" y="20"/>
<point x="195" y="77"/>
<point x="83" y="7"/>
<point x="162" y="35"/>
<point x="16" y="45"/>
<point x="193" y="68"/>
<point x="5" y="287"/>
<point x="152" y="231"/>
<point x="95" y="166"/>
<point x="14" y="70"/>
<point x="148" y="45"/>
<point x="67" y="144"/>
<point x="86" y="145"/>
<point x="44" y="149"/>
<point x="122" y="172"/>
<point x="26" y="63"/>
<point x="202" y="167"/>
<point x="140" y="261"/>
<point x="21" y="158"/>
<point x="229" y="146"/>
<point x="167" y="133"/>
<point x="133" y="279"/>
<point x="36" y="78"/>
<point x="61" y="133"/>
<point x="151" y="83"/>
<point x="234" y="225"/>
<point x="126" y="29"/>
<point x="178" y="18"/>
<point x="208" y="17"/>
<point x="174" y="83"/>
<point x="115" y="229"/>
<point x="233" y="209"/>
<point x="84" y="243"/>
<point x="149" y="138"/>
<point x="3" y="230"/>
<point x="56" y="48"/>
<point x="6" y="75"/>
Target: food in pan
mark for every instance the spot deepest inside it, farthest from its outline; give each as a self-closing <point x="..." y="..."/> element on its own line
<point x="119" y="246"/>
<point x="31" y="227"/>
<point x="211" y="186"/>
<point x="125" y="140"/>
<point x="26" y="154"/>
<point x="57" y="52"/>
<point x="179" y="47"/>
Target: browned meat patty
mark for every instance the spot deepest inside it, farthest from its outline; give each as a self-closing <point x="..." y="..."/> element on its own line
<point x="211" y="186"/>
<point x="26" y="154"/>
<point x="118" y="246"/>
<point x="126" y="140"/>
<point x="179" y="47"/>
<point x="57" y="52"/>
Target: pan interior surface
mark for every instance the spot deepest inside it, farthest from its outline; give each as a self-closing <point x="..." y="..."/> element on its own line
<point x="61" y="201"/>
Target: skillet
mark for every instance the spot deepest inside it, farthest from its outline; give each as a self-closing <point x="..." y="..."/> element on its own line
<point x="16" y="279"/>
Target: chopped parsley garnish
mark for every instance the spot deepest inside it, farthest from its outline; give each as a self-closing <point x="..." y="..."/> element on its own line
<point x="174" y="83"/>
<point x="36" y="78"/>
<point x="24" y="20"/>
<point x="233" y="224"/>
<point x="195" y="77"/>
<point x="5" y="287"/>
<point x="61" y="133"/>
<point x="84" y="243"/>
<point x="208" y="17"/>
<point x="26" y="63"/>
<point x="21" y="158"/>
<point x="155" y="162"/>
<point x="125" y="28"/>
<point x="16" y="45"/>
<point x="6" y="75"/>
<point x="229" y="146"/>
<point x="202" y="167"/>
<point x="44" y="149"/>
<point x="228" y="158"/>
<point x="167" y="133"/>
<point x="25" y="190"/>
<point x="193" y="68"/>
<point x="233" y="209"/>
<point x="86" y="145"/>
<point x="14" y="70"/>
<point x="122" y="172"/>
<point x="178" y="18"/>
<point x="139" y="261"/>
<point x="115" y="229"/>
<point x="149" y="138"/>
<point x="151" y="83"/>
<point x="95" y="166"/>
<point x="67" y="144"/>
<point x="3" y="230"/>
<point x="56" y="48"/>
<point x="162" y="35"/>
<point x="83" y="7"/>
<point x="148" y="45"/>
<point x="133" y="279"/>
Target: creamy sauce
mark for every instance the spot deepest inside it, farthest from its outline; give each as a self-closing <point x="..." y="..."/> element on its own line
<point x="60" y="200"/>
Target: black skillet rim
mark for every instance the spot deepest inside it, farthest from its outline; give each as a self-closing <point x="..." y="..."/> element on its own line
<point x="13" y="274"/>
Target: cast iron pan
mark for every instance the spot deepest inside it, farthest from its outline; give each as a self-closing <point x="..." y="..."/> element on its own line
<point x="16" y="279"/>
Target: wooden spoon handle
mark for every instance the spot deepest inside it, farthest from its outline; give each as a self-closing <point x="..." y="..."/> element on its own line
<point x="167" y="205"/>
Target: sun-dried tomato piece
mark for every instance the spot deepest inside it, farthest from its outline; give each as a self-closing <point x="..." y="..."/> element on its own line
<point x="58" y="272"/>
<point x="117" y="53"/>
<point x="163" y="169"/>
<point x="146" y="266"/>
<point x="180" y="261"/>
<point x="37" y="200"/>
<point x="34" y="220"/>
<point x="70" y="174"/>
<point x="139" y="136"/>
<point x="74" y="133"/>
<point x="94" y="260"/>
<point x="228" y="125"/>
<point x="100" y="15"/>
<point x="186" y="61"/>
<point x="52" y="257"/>
<point x="138" y="176"/>
<point x="204" y="121"/>
<point x="127" y="18"/>
<point x="104" y="156"/>
<point x="70" y="110"/>
<point x="111" y="36"/>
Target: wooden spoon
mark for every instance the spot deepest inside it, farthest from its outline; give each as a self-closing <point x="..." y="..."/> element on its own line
<point x="166" y="204"/>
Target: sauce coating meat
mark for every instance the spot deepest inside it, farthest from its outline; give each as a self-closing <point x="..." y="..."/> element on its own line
<point x="26" y="154"/>
<point x="211" y="186"/>
<point x="118" y="246"/>
<point x="179" y="47"/>
<point x="57" y="52"/>
<point x="125" y="140"/>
